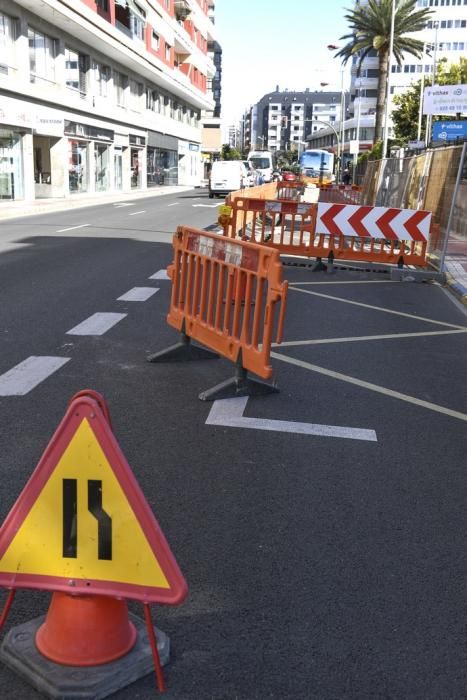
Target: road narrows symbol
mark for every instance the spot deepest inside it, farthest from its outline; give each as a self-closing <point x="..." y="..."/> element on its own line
<point x="70" y="519"/>
<point x="70" y="506"/>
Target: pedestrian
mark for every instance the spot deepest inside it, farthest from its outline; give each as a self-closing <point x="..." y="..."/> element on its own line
<point x="346" y="177"/>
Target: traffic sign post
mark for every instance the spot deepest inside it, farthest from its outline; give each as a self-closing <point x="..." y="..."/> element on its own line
<point x="82" y="528"/>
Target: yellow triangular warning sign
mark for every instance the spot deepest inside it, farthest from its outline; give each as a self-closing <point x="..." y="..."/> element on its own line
<point x="82" y="523"/>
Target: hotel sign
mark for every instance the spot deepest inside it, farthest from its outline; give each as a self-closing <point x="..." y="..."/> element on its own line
<point x="445" y="99"/>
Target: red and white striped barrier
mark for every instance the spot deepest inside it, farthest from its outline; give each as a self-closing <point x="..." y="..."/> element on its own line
<point x="373" y="222"/>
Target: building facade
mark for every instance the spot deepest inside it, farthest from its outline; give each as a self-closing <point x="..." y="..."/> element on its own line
<point x="281" y="120"/>
<point x="445" y="37"/>
<point x="102" y="95"/>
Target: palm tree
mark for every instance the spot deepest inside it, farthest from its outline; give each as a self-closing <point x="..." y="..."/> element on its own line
<point x="370" y="29"/>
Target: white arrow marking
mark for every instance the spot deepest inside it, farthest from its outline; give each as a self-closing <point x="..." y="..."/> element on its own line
<point x="229" y="412"/>
<point x="209" y="206"/>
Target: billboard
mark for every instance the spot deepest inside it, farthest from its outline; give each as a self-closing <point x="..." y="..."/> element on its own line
<point x="445" y="99"/>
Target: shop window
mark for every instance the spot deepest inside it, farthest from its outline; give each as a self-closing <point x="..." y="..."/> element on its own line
<point x="77" y="166"/>
<point x="76" y="67"/>
<point x="42" y="53"/>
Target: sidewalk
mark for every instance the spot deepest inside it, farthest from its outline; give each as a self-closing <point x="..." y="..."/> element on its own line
<point x="9" y="210"/>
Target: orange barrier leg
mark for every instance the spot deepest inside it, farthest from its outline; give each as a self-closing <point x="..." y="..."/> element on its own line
<point x="85" y="630"/>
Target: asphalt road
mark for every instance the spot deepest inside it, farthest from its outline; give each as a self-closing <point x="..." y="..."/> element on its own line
<point x="320" y="564"/>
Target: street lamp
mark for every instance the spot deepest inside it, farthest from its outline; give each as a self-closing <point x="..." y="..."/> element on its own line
<point x="429" y="117"/>
<point x="340" y="153"/>
<point x="388" y="93"/>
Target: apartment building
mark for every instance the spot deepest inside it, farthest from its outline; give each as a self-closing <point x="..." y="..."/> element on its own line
<point x="281" y="119"/>
<point x="445" y="37"/>
<point x="102" y="95"/>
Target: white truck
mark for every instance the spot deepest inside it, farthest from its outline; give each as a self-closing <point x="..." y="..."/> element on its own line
<point x="262" y="162"/>
<point x="227" y="176"/>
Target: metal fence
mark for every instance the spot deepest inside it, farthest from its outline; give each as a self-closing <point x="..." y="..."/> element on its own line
<point x="435" y="180"/>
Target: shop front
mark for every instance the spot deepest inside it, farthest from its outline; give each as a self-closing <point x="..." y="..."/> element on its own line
<point x="162" y="160"/>
<point x="89" y="157"/>
<point x="137" y="164"/>
<point x="47" y="153"/>
<point x="11" y="164"/>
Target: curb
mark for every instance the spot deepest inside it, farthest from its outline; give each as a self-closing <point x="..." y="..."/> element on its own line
<point x="458" y="289"/>
<point x="20" y="209"/>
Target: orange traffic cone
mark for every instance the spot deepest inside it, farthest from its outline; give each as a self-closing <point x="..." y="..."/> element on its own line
<point x="85" y="630"/>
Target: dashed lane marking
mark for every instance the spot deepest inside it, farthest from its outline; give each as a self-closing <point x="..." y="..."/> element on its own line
<point x="124" y="204"/>
<point x="160" y="275"/>
<point x="138" y="294"/>
<point x="22" y="378"/>
<point x="370" y="386"/>
<point x="389" y="336"/>
<point x="70" y="228"/>
<point x="97" y="324"/>
<point x="134" y="213"/>
<point x="174" y="204"/>
<point x="229" y="412"/>
<point x="378" y="308"/>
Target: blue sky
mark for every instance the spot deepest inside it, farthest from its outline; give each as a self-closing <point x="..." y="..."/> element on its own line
<point x="267" y="43"/>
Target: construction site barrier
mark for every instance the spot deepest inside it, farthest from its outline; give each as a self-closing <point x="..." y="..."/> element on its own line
<point x="285" y="226"/>
<point x="340" y="194"/>
<point x="373" y="234"/>
<point x="343" y="231"/>
<point x="225" y="295"/>
<point x="266" y="191"/>
<point x="290" y="190"/>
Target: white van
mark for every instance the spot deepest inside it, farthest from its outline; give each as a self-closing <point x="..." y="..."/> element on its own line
<point x="227" y="176"/>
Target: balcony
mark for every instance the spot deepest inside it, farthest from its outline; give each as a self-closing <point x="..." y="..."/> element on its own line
<point x="182" y="9"/>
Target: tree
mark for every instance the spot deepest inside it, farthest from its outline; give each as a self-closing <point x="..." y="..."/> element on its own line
<point x="229" y="153"/>
<point x="405" y="116"/>
<point x="370" y="29"/>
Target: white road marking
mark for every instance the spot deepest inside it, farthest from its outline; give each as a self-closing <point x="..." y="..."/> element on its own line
<point x="134" y="213"/>
<point x="389" y="336"/>
<point x="97" y="324"/>
<point x="22" y="378"/>
<point x="229" y="412"/>
<point x="160" y="275"/>
<point x="174" y="204"/>
<point x="378" y="308"/>
<point x="70" y="228"/>
<point x="371" y="387"/>
<point x="138" y="294"/>
<point x="209" y="206"/>
<point x="303" y="284"/>
<point x="124" y="204"/>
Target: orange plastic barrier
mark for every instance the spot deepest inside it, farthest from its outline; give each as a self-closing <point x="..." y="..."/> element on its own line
<point x="287" y="226"/>
<point x="344" y="231"/>
<point x="225" y="295"/>
<point x="340" y="194"/>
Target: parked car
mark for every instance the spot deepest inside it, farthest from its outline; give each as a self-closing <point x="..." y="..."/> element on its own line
<point x="227" y="176"/>
<point x="288" y="175"/>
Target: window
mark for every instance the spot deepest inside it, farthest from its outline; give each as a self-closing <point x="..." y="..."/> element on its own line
<point x="76" y="65"/>
<point x="135" y="94"/>
<point x="155" y="41"/>
<point x="42" y="52"/>
<point x="153" y="100"/>
<point x="101" y="79"/>
<point x="120" y="82"/>
<point x="7" y="42"/>
<point x="168" y="50"/>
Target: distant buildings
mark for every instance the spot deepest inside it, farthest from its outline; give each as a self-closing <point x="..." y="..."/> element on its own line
<point x="104" y="96"/>
<point x="282" y="119"/>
